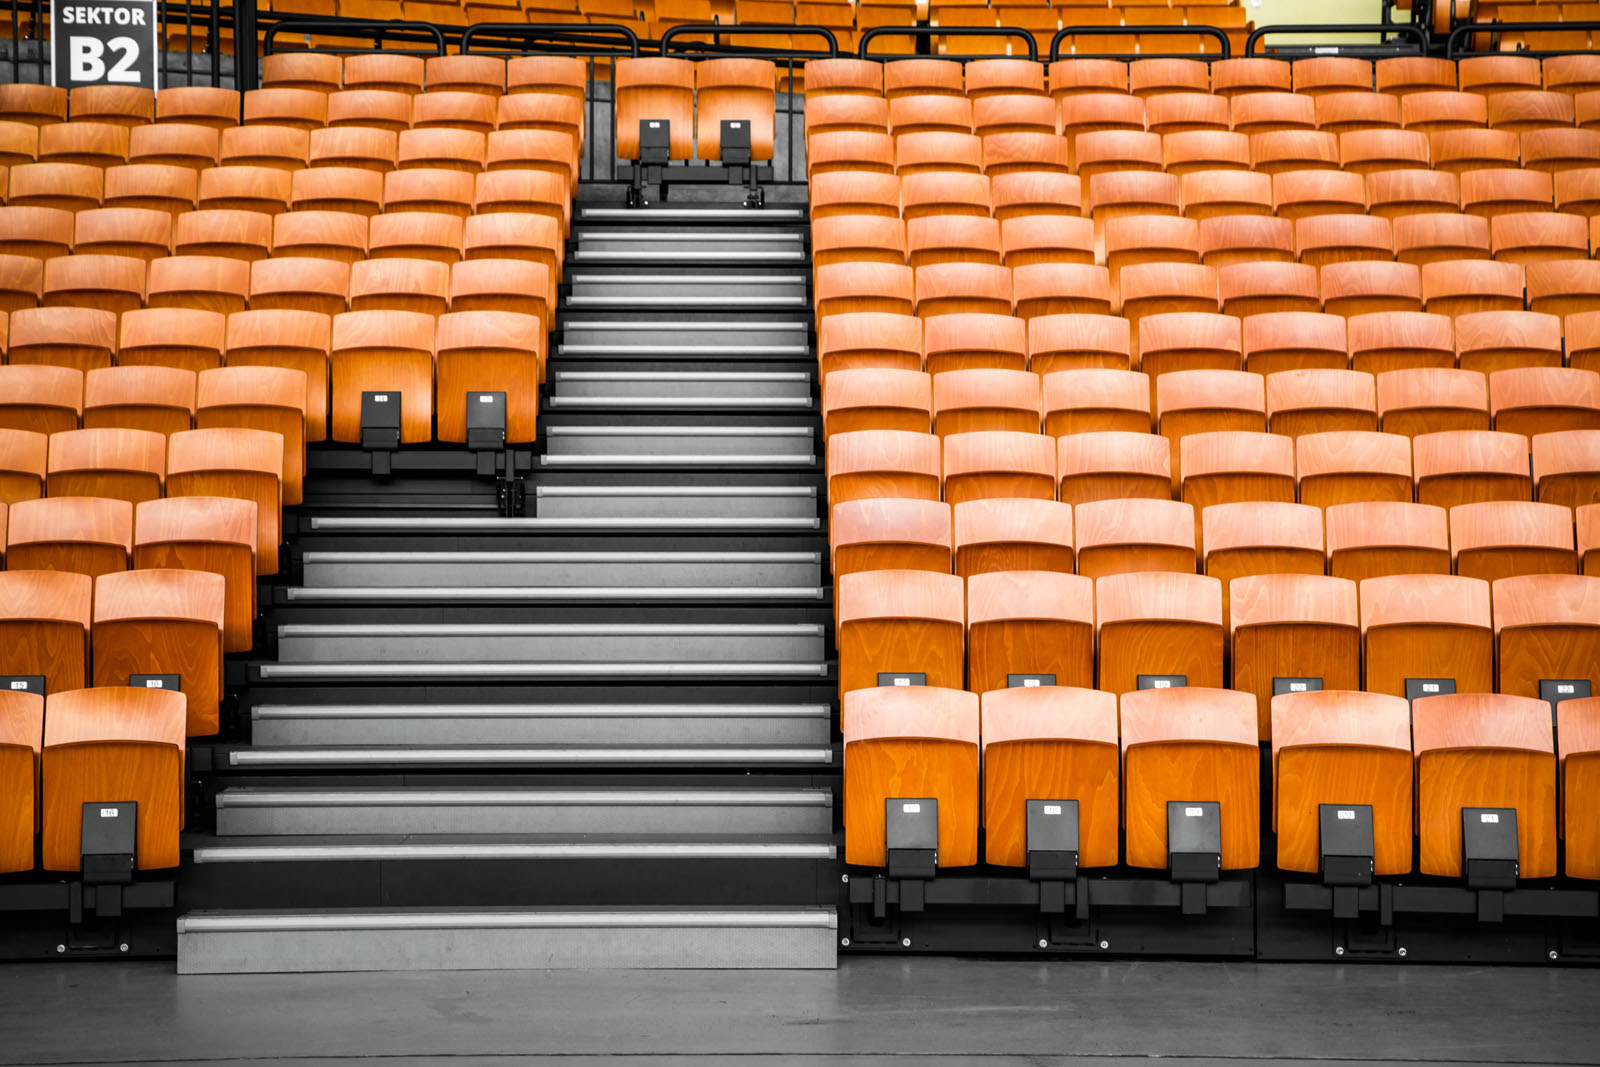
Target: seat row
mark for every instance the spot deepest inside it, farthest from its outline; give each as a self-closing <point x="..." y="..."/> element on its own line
<point x="1237" y="538"/>
<point x="430" y="364"/>
<point x="1208" y="466"/>
<point x="1312" y="76"/>
<point x="1219" y="193"/>
<point x="139" y="465"/>
<point x="1270" y="342"/>
<point x="158" y="628"/>
<point x="94" y="536"/>
<point x="1404" y="635"/>
<point x="492" y="76"/>
<point x="77" y="187"/>
<point x="1403" y="359"/>
<point x="1359" y="287"/>
<point x="78" y="746"/>
<point x="349" y="237"/>
<point x="1454" y="128"/>
<point x="1124" y="760"/>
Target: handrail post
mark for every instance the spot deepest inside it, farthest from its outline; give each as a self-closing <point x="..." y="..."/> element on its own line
<point x="246" y="66"/>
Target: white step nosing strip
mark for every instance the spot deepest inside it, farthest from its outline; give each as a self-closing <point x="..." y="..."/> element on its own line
<point x="633" y="300"/>
<point x="317" y="712"/>
<point x="464" y="524"/>
<point x="686" y="459"/>
<point x="237" y="798"/>
<point x="681" y="256"/>
<point x="772" y="376"/>
<point x="680" y="431"/>
<point x="633" y="326"/>
<point x="507" y="919"/>
<point x="491" y="594"/>
<point x="687" y="279"/>
<point x="755" y="850"/>
<point x="551" y="629"/>
<point x="496" y="755"/>
<point x="708" y="351"/>
<point x="658" y="235"/>
<point x="675" y="490"/>
<point x="382" y="671"/>
<point x="562" y="557"/>
<point x="656" y="403"/>
<point x="755" y="216"/>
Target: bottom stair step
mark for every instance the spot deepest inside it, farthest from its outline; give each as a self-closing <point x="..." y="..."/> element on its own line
<point x="264" y="942"/>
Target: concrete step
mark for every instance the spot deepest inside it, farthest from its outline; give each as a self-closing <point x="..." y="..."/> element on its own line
<point x="523" y="527"/>
<point x="524" y="725"/>
<point x="751" y="218"/>
<point x="793" y="443"/>
<point x="262" y="942"/>
<point x="487" y="571"/>
<point x="674" y="647"/>
<point x="674" y="501"/>
<point x="370" y="757"/>
<point x="676" y="339"/>
<point x="419" y="848"/>
<point x="469" y="595"/>
<point x="270" y="812"/>
<point x="759" y="386"/>
<point x="661" y="288"/>
<point x="706" y="248"/>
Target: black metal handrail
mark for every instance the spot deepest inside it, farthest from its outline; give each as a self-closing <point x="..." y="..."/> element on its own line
<point x="1398" y="29"/>
<point x="1141" y="31"/>
<point x="1451" y="51"/>
<point x="947" y="31"/>
<point x="404" y="32"/>
<point x="564" y="33"/>
<point x="751" y="30"/>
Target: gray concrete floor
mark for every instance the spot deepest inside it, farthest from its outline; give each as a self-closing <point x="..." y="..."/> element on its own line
<point x="876" y="1010"/>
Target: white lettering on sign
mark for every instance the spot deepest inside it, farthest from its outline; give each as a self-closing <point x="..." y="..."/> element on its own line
<point x="1030" y="683"/>
<point x="86" y="56"/>
<point x="1193" y="813"/>
<point x="1490" y="817"/>
<point x="485" y="398"/>
<point x="911" y="809"/>
<point x="1430" y="687"/>
<point x="108" y="813"/>
<point x="1162" y="683"/>
<point x="1346" y="814"/>
<point x="103" y="16"/>
<point x="1567" y="689"/>
<point x="655" y="125"/>
<point x="902" y="680"/>
<point x="380" y="398"/>
<point x="1297" y="687"/>
<point x="154" y="683"/>
<point x="19" y="685"/>
<point x="1052" y="809"/>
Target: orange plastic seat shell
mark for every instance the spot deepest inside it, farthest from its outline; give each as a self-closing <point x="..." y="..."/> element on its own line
<point x="1157" y="622"/>
<point x="1292" y="626"/>
<point x="1427" y="626"/>
<point x="1029" y="622"/>
<point x="900" y="621"/>
<point x="163" y="622"/>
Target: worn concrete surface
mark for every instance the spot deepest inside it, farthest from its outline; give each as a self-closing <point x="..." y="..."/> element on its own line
<point x="927" y="1011"/>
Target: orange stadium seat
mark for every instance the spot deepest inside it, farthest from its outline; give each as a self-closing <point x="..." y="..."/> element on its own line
<point x="264" y="189"/>
<point x="1061" y="289"/>
<point x="883" y="463"/>
<point x="383" y="351"/>
<point x="900" y="622"/>
<point x="40" y="399"/>
<point x="1417" y="627"/>
<point x="64" y="186"/>
<point x="282" y="147"/>
<point x="106" y="283"/>
<point x="854" y="192"/>
<point x="1077" y="342"/>
<point x="85" y="535"/>
<point x="184" y="338"/>
<point x="1267" y="287"/>
<point x="163" y="622"/>
<point x="986" y="399"/>
<point x="260" y="398"/>
<point x="1167" y="114"/>
<point x="1345" y="113"/>
<point x="1200" y="151"/>
<point x="163" y="187"/>
<point x="1429" y="238"/>
<point x="39" y="232"/>
<point x="21" y="281"/>
<point x="999" y="463"/>
<point x="1294" y="340"/>
<point x="1484" y="750"/>
<point x="199" y="105"/>
<point x="1095" y="399"/>
<point x="1012" y="535"/>
<point x="123" y="464"/>
<point x="416" y="235"/>
<point x="1228" y="466"/>
<point x="216" y="534"/>
<point x="45" y="618"/>
<point x="1050" y="742"/>
<point x="1588" y="521"/>
<point x="1399" y="340"/>
<point x="1038" y="623"/>
<point x="863" y="287"/>
<point x="112" y="743"/>
<point x="1292" y="631"/>
<point x="293" y="339"/>
<point x="172" y="144"/>
<point x="1200" y="401"/>
<point x="1130" y="239"/>
<point x="1342" y="748"/>
<point x="1546" y="633"/>
<point x="80" y="338"/>
<point x="975" y="341"/>
<point x="869" y="340"/>
<point x="22" y="465"/>
<point x="1238" y="239"/>
<point x="1395" y="194"/>
<point x="1185" y="744"/>
<point x="1366" y="288"/>
<point x="1256" y="536"/>
<point x="21" y="739"/>
<point x="1346" y="466"/>
<point x="1324" y="239"/>
<point x="1374" y="539"/>
<point x="1504" y="538"/>
<point x="1544" y="399"/>
<point x="152" y="398"/>
<point x="951" y="288"/>
<point x="1112" y="465"/>
<point x="1130" y="535"/>
<point x="1459" y="151"/>
<point x="910" y="742"/>
<point x="1531" y="237"/>
<point x="1469" y="466"/>
<point x="1432" y="399"/>
<point x="1563" y="287"/>
<point x="246" y="464"/>
<point x="890" y="533"/>
<point x="1566" y="467"/>
<point x="952" y="239"/>
<point x="488" y="351"/>
<point x="858" y="239"/>
<point x="1035" y="192"/>
<point x="1558" y="150"/>
<point x="1029" y="239"/>
<point x="303" y="109"/>
<point x="1576" y="736"/>
<point x="1320" y="401"/>
<point x="1291" y="151"/>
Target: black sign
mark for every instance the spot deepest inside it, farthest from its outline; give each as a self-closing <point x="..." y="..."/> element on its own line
<point x="104" y="42"/>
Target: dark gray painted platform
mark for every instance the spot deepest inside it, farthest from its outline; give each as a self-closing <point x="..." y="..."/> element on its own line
<point x="869" y="1011"/>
